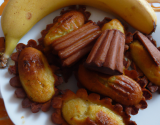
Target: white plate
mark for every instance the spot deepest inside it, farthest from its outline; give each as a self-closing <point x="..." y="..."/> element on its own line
<point x="20" y="116"/>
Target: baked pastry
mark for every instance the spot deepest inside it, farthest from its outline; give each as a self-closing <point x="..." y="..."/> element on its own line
<point x="146" y="56"/>
<point x="32" y="74"/>
<point x="66" y="23"/>
<point x="36" y="75"/>
<point x="120" y="88"/>
<point x="84" y="109"/>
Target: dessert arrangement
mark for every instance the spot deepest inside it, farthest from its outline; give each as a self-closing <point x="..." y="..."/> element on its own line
<point x="116" y="70"/>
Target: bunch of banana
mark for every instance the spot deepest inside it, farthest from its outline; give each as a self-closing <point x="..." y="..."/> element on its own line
<point x="19" y="16"/>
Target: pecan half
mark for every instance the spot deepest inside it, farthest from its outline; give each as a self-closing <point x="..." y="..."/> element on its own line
<point x="152" y="50"/>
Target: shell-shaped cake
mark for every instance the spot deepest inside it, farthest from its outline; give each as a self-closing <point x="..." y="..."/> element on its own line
<point x="66" y="23"/>
<point x="36" y="75"/>
<point x="84" y="109"/>
<point x="120" y="88"/>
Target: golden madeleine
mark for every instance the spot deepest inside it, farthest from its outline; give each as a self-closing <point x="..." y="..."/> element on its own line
<point x="120" y="88"/>
<point x="84" y="109"/>
<point x="65" y="24"/>
<point x="114" y="24"/>
<point x="36" y="75"/>
<point x="145" y="62"/>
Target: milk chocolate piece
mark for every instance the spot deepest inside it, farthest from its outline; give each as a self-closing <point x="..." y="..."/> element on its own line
<point x="73" y="46"/>
<point x="107" y="54"/>
<point x="73" y="58"/>
<point x="153" y="51"/>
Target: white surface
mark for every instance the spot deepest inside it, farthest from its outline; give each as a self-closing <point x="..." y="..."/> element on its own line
<point x="20" y="116"/>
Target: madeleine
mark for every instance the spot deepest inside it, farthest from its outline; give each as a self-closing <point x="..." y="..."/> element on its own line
<point x="120" y="88"/>
<point x="84" y="109"/>
<point x="36" y="75"/>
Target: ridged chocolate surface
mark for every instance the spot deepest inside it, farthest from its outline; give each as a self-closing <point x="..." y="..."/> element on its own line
<point x="107" y="54"/>
<point x="76" y="44"/>
<point x="153" y="51"/>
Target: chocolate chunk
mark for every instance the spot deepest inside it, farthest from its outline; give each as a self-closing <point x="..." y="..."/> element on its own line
<point x="153" y="51"/>
<point x="73" y="46"/>
<point x="107" y="54"/>
<point x="73" y="58"/>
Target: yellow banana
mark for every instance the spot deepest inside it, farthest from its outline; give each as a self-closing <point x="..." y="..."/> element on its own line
<point x="19" y="16"/>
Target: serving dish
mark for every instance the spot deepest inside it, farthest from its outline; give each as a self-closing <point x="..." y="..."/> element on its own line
<point x="21" y="116"/>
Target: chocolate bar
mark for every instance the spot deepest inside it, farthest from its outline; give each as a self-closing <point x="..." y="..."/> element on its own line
<point x="153" y="51"/>
<point x="107" y="54"/>
<point x="73" y="46"/>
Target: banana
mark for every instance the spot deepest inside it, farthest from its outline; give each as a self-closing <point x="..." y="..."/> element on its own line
<point x="19" y="16"/>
